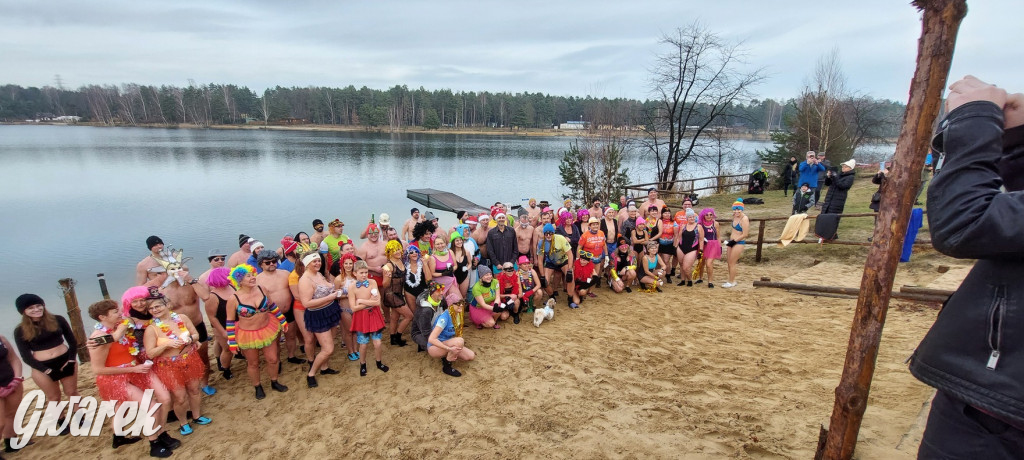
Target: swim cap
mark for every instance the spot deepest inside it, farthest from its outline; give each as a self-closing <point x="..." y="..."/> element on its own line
<point x="548" y="228"/>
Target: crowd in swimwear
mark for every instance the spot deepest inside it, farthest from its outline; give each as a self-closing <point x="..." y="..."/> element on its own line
<point x="320" y="288"/>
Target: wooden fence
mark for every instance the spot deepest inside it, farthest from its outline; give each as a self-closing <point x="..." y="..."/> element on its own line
<point x="679" y="188"/>
<point x="762" y="220"/>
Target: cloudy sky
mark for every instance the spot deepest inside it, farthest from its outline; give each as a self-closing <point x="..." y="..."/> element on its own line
<point x="598" y="48"/>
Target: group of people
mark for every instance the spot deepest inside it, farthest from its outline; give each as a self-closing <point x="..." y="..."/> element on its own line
<point x="293" y="302"/>
<point x="808" y="177"/>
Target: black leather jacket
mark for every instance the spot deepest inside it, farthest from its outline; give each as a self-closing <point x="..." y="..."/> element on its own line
<point x="975" y="349"/>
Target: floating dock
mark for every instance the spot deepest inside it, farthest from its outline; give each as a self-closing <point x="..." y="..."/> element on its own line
<point x="444" y="201"/>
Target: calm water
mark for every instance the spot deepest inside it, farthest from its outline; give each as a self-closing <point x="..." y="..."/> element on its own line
<point x="77" y="201"/>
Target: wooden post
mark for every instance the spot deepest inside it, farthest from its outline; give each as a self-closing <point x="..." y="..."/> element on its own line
<point x="103" y="287"/>
<point x="75" y="317"/>
<point x="939" y="25"/>
<point x="760" y="241"/>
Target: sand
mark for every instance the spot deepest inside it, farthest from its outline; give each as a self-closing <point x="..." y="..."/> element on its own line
<point x="688" y="373"/>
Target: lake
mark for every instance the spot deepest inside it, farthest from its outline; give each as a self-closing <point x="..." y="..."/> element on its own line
<point x="77" y="201"/>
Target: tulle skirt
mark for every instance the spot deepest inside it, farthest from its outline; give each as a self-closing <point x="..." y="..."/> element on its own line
<point x="115" y="387"/>
<point x="178" y="371"/>
<point x="259" y="338"/>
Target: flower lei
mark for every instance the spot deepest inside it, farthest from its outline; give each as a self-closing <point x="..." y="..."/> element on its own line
<point x="127" y="340"/>
<point x="418" y="275"/>
<point x="167" y="330"/>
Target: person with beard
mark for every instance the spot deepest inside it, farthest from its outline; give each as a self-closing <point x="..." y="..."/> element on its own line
<point x="155" y="245"/>
<point x="318" y="233"/>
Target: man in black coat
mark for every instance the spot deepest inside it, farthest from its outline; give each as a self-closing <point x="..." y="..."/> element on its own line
<point x="974" y="353"/>
<point x="838" y="187"/>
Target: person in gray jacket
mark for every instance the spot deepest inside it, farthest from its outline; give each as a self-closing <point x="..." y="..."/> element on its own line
<point x="974" y="353"/>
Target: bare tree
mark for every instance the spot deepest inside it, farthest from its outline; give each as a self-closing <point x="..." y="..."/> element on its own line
<point x="823" y="99"/>
<point x="693" y="84"/>
<point x="264" y="107"/>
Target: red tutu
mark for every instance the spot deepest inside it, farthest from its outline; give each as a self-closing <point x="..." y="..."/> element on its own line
<point x="115" y="387"/>
<point x="367" y="320"/>
<point x="177" y="371"/>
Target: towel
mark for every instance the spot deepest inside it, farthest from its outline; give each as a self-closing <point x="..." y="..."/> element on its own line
<point x="796" y="229"/>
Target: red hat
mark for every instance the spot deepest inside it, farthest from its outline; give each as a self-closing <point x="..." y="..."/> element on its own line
<point x="472" y="220"/>
<point x="290" y="247"/>
<point x="286" y="240"/>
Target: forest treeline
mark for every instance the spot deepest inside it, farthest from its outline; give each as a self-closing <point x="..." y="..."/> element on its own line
<point x="216" y="104"/>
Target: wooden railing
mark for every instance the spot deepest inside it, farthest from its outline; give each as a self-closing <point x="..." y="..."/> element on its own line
<point x="679" y="188"/>
<point x="814" y="240"/>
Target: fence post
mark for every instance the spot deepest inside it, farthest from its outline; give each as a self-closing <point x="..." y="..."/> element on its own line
<point x="103" y="287"/>
<point x="75" y="317"/>
<point x="760" y="240"/>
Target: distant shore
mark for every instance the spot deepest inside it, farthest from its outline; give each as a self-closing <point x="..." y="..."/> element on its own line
<point x="524" y="132"/>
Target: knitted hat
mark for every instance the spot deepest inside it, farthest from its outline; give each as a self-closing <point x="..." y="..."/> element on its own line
<point x="242" y="239"/>
<point x="153" y="241"/>
<point x="483" y="270"/>
<point x="27" y="300"/>
<point x="738" y="204"/>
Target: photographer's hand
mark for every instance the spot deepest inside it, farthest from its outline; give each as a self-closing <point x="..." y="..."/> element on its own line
<point x="1013" y="111"/>
<point x="970" y="89"/>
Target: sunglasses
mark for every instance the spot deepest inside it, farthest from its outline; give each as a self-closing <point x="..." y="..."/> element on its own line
<point x="269" y="262"/>
<point x="218" y="259"/>
<point x="510" y="269"/>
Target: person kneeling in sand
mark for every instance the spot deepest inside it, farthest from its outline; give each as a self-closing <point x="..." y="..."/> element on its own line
<point x="367" y="318"/>
<point x="623" y="273"/>
<point x="438" y="328"/>
<point x="484" y="309"/>
<point x="583" y="278"/>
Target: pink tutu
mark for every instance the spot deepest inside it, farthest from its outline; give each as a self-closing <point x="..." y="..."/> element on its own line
<point x="479" y="315"/>
<point x="713" y="250"/>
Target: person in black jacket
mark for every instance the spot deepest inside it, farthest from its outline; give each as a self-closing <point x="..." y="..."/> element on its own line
<point x="838" y="186"/>
<point x="790" y="175"/>
<point x="974" y="353"/>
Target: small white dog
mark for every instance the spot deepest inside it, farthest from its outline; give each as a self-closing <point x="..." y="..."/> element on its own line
<point x="546" y="313"/>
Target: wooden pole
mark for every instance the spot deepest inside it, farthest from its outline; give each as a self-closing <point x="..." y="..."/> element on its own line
<point x="929" y="291"/>
<point x="760" y="241"/>
<point x="939" y="25"/>
<point x="103" y="286"/>
<point x="75" y="317"/>
<point x="916" y="296"/>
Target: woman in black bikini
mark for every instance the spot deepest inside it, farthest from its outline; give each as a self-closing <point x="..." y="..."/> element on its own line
<point x="253" y="323"/>
<point x="215" y="293"/>
<point x="462" y="262"/>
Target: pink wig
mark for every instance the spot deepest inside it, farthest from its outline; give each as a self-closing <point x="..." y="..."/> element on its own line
<point x="564" y="217"/>
<point x="133" y="293"/>
<point x="218" y="277"/>
<point x="582" y="215"/>
<point x="706" y="212"/>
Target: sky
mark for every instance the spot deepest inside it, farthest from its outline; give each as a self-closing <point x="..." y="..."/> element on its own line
<point x="568" y="48"/>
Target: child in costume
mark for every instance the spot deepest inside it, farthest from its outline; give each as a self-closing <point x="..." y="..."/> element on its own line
<point x="367" y="318"/>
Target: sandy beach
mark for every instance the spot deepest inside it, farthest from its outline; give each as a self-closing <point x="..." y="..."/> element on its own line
<point x="688" y="373"/>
